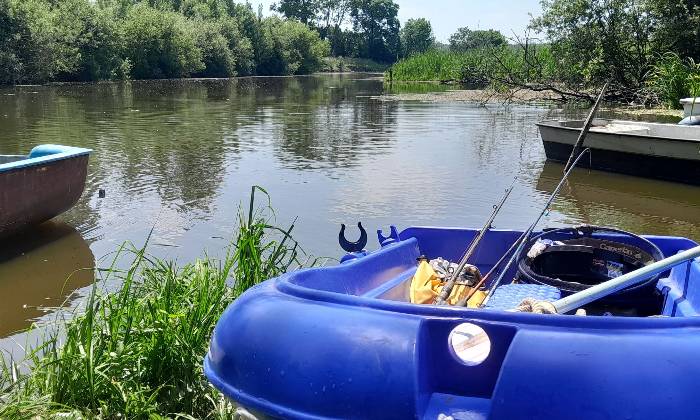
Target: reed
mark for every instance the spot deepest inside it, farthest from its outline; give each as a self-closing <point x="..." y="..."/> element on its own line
<point x="137" y="352"/>
<point x="673" y="78"/>
<point x="476" y="68"/>
<point x="433" y="65"/>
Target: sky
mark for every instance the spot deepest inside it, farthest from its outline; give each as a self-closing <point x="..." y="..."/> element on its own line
<point x="446" y="16"/>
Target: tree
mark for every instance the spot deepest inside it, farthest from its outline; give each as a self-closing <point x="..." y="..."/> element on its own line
<point x="88" y="42"/>
<point x="29" y="45"/>
<point x="416" y="36"/>
<point x="289" y="47"/>
<point x="304" y="11"/>
<point x="466" y="39"/>
<point x="377" y="22"/>
<point x="598" y="40"/>
<point x="160" y="44"/>
<point x="676" y="26"/>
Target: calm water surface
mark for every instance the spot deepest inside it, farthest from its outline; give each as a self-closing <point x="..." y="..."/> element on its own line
<point x="180" y="156"/>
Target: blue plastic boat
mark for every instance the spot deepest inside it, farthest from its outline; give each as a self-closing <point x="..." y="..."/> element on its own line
<point x="41" y="185"/>
<point x="344" y="342"/>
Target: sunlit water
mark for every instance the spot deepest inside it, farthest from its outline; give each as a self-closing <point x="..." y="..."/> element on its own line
<point x="180" y="156"/>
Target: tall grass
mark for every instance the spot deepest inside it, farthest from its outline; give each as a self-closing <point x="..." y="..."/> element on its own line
<point x="433" y="65"/>
<point x="673" y="78"/>
<point x="479" y="68"/>
<point x="137" y="353"/>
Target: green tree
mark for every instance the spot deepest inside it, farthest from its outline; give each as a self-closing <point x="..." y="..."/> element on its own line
<point x="88" y="42"/>
<point x="598" y="40"/>
<point x="289" y="47"/>
<point x="466" y="39"/>
<point x="377" y="24"/>
<point x="676" y="26"/>
<point x="160" y="44"/>
<point x="416" y="36"/>
<point x="29" y="42"/>
<point x="304" y="11"/>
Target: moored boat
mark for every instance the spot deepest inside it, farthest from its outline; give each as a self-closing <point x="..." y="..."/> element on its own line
<point x="346" y="341"/>
<point x="654" y="150"/>
<point x="39" y="186"/>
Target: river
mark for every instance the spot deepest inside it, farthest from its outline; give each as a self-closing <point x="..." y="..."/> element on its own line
<point x="180" y="156"/>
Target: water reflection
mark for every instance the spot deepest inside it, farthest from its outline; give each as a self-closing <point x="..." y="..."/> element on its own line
<point x="626" y="202"/>
<point x="38" y="270"/>
<point x="180" y="156"/>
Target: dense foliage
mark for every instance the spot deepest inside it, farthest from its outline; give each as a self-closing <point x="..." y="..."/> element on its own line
<point x="375" y="25"/>
<point x="70" y="40"/>
<point x="627" y="42"/>
<point x="647" y="49"/>
<point x="417" y="36"/>
<point x="466" y="39"/>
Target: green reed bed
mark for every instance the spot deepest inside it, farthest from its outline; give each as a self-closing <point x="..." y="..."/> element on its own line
<point x="137" y="352"/>
<point x="479" y="67"/>
<point x="433" y="65"/>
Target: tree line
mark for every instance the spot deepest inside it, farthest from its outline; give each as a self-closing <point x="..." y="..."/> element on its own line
<point x="87" y="40"/>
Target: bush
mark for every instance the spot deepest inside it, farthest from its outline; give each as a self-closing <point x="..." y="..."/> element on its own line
<point x="289" y="47"/>
<point x="218" y="58"/>
<point x="673" y="78"/>
<point x="29" y="42"/>
<point x="89" y="42"/>
<point x="161" y="44"/>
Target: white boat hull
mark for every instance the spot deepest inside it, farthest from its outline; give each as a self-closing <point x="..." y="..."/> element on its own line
<point x="662" y="151"/>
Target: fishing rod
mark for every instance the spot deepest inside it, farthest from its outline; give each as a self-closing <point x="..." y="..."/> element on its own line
<point x="488" y="275"/>
<point x="447" y="288"/>
<point x="526" y="235"/>
<point x="586" y="127"/>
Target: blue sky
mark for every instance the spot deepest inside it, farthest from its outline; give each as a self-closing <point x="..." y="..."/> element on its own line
<point x="448" y="15"/>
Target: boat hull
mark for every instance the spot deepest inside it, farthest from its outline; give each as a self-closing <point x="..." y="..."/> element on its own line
<point x="41" y="187"/>
<point x="342" y="342"/>
<point x="668" y="159"/>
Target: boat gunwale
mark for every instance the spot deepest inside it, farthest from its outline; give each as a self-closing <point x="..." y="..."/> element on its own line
<point x="67" y="152"/>
<point x="283" y="284"/>
<point x="547" y="123"/>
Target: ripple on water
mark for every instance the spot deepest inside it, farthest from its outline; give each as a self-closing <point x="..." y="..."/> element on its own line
<point x="180" y="156"/>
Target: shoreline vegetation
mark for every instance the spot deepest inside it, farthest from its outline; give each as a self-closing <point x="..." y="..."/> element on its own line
<point x="404" y="91"/>
<point x="137" y="352"/>
<point x="95" y="40"/>
<point x="649" y="52"/>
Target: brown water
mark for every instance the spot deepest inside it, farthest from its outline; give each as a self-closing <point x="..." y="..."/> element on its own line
<point x="179" y="157"/>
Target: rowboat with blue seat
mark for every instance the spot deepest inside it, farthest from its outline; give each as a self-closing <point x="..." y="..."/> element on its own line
<point x="41" y="185"/>
<point x="347" y="342"/>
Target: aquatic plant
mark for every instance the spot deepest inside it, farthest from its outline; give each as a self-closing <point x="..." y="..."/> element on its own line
<point x="137" y="352"/>
<point x="498" y="67"/>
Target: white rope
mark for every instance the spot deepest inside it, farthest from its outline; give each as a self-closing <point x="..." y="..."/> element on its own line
<point x="536" y="306"/>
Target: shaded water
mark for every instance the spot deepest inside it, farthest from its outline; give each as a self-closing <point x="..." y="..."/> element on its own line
<point x="179" y="157"/>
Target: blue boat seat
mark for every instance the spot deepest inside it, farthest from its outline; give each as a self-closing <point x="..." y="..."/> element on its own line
<point x="509" y="296"/>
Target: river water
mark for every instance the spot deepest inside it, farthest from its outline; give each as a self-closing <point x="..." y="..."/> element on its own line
<point x="179" y="157"/>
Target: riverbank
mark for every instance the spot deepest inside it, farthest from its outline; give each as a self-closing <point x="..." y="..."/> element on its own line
<point x="137" y="352"/>
<point x="351" y="64"/>
<point x="490" y="96"/>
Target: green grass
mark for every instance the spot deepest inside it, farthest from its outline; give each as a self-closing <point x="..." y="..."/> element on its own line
<point x="137" y="352"/>
<point x="432" y="65"/>
<point x="673" y="78"/>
